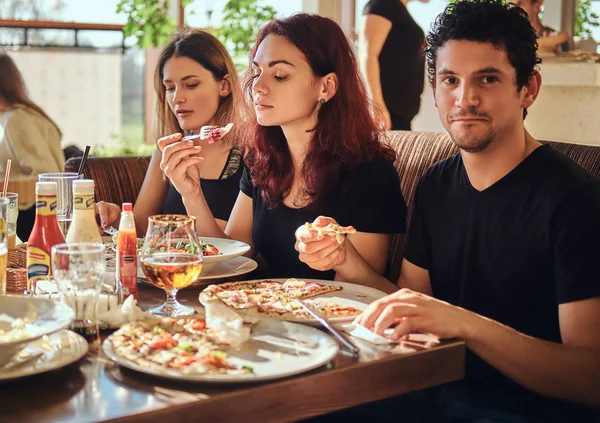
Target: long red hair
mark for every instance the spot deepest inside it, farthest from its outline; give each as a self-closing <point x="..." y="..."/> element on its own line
<point x="345" y="134"/>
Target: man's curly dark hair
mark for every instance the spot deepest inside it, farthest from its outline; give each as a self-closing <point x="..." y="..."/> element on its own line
<point x="503" y="24"/>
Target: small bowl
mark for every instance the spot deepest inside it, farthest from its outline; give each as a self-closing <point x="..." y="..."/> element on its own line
<point x="43" y="318"/>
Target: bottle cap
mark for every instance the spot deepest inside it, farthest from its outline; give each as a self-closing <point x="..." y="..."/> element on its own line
<point x="46" y="188"/>
<point x="83" y="186"/>
<point x="127" y="207"/>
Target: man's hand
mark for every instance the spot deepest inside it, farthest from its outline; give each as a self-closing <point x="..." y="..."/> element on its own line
<point x="414" y="312"/>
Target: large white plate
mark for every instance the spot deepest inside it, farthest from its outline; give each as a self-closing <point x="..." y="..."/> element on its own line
<point x="353" y="295"/>
<point x="226" y="269"/>
<point x="275" y="350"/>
<point x="59" y="349"/>
<point x="228" y="248"/>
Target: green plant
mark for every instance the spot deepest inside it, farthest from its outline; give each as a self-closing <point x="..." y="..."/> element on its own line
<point x="585" y="19"/>
<point x="148" y="20"/>
<point x="242" y="20"/>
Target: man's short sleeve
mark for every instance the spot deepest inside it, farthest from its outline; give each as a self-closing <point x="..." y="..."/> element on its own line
<point x="418" y="247"/>
<point x="576" y="238"/>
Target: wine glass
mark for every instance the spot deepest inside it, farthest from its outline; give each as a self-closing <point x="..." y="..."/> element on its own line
<point x="171" y="259"/>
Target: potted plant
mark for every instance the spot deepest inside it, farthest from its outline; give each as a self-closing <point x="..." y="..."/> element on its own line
<point x="585" y="21"/>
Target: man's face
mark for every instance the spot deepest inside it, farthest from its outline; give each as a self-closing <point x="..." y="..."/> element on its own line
<point x="476" y="94"/>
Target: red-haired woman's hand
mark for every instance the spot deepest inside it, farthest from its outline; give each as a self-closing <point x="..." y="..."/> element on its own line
<point x="320" y="253"/>
<point x="179" y="163"/>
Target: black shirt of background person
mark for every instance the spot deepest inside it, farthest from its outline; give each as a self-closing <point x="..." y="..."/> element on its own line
<point x="512" y="252"/>
<point x="220" y="194"/>
<point x="401" y="62"/>
<point x="369" y="198"/>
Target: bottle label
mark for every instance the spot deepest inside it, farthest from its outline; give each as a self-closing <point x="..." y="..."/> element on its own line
<point x="83" y="201"/>
<point x="38" y="265"/>
<point x="45" y="206"/>
<point x="127" y="273"/>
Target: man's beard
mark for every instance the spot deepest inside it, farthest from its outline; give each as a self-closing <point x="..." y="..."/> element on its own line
<point x="474" y="145"/>
<point x="469" y="143"/>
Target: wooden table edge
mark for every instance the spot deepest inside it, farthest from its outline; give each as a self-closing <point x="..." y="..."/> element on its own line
<point x="319" y="393"/>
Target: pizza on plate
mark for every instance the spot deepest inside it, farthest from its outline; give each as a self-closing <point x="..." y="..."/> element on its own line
<point x="185" y="345"/>
<point x="332" y="229"/>
<point x="269" y="298"/>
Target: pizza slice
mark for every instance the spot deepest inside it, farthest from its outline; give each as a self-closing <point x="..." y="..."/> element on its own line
<point x="332" y="229"/>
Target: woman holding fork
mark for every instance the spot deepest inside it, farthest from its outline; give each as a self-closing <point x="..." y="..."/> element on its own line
<point x="196" y="85"/>
<point x="315" y="151"/>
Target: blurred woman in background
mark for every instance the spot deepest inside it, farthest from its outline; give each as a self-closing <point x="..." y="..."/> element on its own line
<point x="28" y="136"/>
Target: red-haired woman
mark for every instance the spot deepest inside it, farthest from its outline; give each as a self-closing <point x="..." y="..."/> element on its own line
<point x="315" y="152"/>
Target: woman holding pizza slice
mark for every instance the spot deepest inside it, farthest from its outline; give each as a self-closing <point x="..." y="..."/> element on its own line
<point x="196" y="84"/>
<point x="315" y="151"/>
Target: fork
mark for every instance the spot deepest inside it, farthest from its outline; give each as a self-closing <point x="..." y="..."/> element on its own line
<point x="203" y="134"/>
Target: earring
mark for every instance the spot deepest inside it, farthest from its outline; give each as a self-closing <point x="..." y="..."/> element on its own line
<point x="223" y="94"/>
<point x="322" y="101"/>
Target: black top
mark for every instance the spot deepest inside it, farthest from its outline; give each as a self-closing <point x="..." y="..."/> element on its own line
<point x="220" y="193"/>
<point x="369" y="198"/>
<point x="402" y="59"/>
<point x="512" y="252"/>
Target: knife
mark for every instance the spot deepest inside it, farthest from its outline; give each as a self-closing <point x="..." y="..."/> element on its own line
<point x="345" y="342"/>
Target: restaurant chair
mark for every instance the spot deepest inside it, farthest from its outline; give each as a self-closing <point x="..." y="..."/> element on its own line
<point x="117" y="179"/>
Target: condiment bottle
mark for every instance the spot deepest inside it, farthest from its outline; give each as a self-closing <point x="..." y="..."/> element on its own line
<point x="84" y="227"/>
<point x="127" y="253"/>
<point x="44" y="235"/>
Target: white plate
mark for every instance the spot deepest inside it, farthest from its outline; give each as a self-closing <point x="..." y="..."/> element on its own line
<point x="228" y="248"/>
<point x="353" y="295"/>
<point x="226" y="269"/>
<point x="59" y="349"/>
<point x="275" y="350"/>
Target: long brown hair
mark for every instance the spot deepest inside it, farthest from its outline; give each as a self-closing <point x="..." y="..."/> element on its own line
<point x="345" y="135"/>
<point x="13" y="90"/>
<point x="208" y="51"/>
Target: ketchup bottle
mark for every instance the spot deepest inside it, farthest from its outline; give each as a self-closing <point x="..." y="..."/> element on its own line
<point x="44" y="235"/>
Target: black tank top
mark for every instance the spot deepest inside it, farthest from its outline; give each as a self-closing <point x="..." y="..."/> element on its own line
<point x="220" y="193"/>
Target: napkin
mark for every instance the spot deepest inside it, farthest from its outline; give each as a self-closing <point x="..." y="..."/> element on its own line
<point x="116" y="316"/>
<point x="228" y="325"/>
<point x="361" y="332"/>
<point x="110" y="313"/>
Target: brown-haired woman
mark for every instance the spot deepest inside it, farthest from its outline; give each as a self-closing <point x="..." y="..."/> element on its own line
<point x="196" y="85"/>
<point x="315" y="151"/>
<point x="27" y="136"/>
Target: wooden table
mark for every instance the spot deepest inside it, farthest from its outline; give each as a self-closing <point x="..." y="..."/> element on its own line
<point x="95" y="389"/>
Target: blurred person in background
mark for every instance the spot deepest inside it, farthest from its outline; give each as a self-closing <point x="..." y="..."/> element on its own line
<point x="390" y="53"/>
<point x="27" y="136"/>
<point x="196" y="84"/>
<point x="549" y="39"/>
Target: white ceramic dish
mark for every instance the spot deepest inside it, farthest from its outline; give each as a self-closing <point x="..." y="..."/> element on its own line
<point x="275" y="350"/>
<point x="43" y="316"/>
<point x="57" y="350"/>
<point x="228" y="249"/>
<point x="353" y="295"/>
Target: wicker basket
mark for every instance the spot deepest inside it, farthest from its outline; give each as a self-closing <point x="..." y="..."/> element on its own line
<point x="16" y="281"/>
<point x="16" y="272"/>
<point x="17" y="258"/>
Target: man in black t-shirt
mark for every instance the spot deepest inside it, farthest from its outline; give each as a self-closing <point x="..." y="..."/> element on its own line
<point x="504" y="242"/>
<point x="390" y="53"/>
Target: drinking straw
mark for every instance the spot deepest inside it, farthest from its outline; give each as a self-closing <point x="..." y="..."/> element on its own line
<point x="6" y="176"/>
<point x="83" y="160"/>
